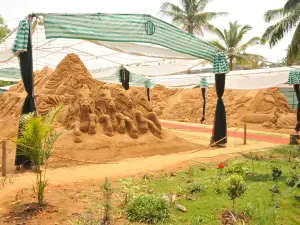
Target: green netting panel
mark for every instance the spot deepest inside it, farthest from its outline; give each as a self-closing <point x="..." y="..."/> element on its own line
<point x="294" y="77"/>
<point x="13" y="73"/>
<point x="21" y="40"/>
<point x="203" y="82"/>
<point x="220" y="65"/>
<point x="127" y="28"/>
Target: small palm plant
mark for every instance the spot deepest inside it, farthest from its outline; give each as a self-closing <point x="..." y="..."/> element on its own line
<point x="36" y="141"/>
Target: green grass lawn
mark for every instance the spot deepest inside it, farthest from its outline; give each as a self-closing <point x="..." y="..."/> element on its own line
<point x="256" y="203"/>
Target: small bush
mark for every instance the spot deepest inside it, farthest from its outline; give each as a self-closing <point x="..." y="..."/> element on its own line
<point x="236" y="168"/>
<point x="147" y="209"/>
<point x="236" y="187"/>
<point x="195" y="188"/>
<point x="292" y="180"/>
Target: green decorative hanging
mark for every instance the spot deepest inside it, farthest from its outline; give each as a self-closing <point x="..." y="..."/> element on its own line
<point x="220" y="65"/>
<point x="294" y="77"/>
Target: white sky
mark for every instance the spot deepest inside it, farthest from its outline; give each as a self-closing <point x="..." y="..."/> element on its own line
<point x="245" y="11"/>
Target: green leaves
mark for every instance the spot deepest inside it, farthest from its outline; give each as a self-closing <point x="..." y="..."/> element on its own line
<point x="190" y="15"/>
<point x="147" y="209"/>
<point x="37" y="139"/>
<point x="236" y="186"/>
<point x="233" y="46"/>
<point x="290" y="18"/>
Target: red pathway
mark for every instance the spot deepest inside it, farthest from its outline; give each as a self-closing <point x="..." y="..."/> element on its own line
<point x="235" y="134"/>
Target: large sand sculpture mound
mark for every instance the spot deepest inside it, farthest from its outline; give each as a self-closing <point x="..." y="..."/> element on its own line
<point x="105" y="121"/>
<point x="266" y="108"/>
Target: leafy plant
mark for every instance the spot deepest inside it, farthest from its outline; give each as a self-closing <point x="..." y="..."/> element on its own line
<point x="107" y="194"/>
<point x="252" y="161"/>
<point x="195" y="187"/>
<point x="276" y="174"/>
<point x="191" y="172"/>
<point x="236" y="187"/>
<point x="147" y="209"/>
<point x="37" y="141"/>
<point x="261" y="213"/>
<point x="128" y="189"/>
<point x="236" y="168"/>
<point x="293" y="179"/>
<point x="196" y="220"/>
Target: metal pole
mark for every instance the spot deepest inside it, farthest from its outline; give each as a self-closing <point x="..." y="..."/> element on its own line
<point x="245" y="133"/>
<point x="3" y="158"/>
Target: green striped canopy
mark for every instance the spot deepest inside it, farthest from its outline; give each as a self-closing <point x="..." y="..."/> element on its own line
<point x="294" y="77"/>
<point x="132" y="28"/>
<point x="21" y="40"/>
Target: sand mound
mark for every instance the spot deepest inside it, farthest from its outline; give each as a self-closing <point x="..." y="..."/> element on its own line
<point x="105" y="122"/>
<point x="242" y="106"/>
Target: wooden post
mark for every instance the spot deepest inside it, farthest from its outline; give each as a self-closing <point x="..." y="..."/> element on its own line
<point x="3" y="158"/>
<point x="245" y="134"/>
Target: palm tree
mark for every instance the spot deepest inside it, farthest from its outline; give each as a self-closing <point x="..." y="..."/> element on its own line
<point x="290" y="19"/>
<point x="37" y="141"/>
<point x="234" y="48"/>
<point x="190" y="15"/>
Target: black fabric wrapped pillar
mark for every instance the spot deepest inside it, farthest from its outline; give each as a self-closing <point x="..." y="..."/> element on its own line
<point x="148" y="93"/>
<point x="125" y="78"/>
<point x="26" y="67"/>
<point x="297" y="91"/>
<point x="220" y="128"/>
<point x="204" y="103"/>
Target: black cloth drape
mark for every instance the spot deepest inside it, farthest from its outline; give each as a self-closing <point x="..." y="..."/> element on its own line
<point x="220" y="127"/>
<point x="26" y="67"/>
<point x="204" y="102"/>
<point x="297" y="91"/>
<point x="148" y="94"/>
<point x="124" y="76"/>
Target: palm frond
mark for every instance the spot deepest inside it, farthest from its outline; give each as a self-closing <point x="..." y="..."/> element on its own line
<point x="167" y="7"/>
<point x="276" y="32"/>
<point x="218" y="45"/>
<point x="294" y="48"/>
<point x="291" y="5"/>
<point x="49" y="118"/>
<point x="50" y="141"/>
<point x="241" y="33"/>
<point x="273" y="14"/>
<point x="253" y="41"/>
<point x="219" y="33"/>
<point x="207" y="16"/>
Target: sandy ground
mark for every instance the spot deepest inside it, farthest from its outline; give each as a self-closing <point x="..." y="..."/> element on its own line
<point x="134" y="166"/>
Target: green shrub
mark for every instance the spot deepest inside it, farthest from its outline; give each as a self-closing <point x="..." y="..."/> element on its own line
<point x="147" y="209"/>
<point x="236" y="187"/>
<point x="195" y="187"/>
<point x="236" y="168"/>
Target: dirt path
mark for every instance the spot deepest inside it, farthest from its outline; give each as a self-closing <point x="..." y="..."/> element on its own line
<point x="136" y="166"/>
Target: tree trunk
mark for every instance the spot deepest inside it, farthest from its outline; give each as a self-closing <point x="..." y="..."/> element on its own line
<point x="230" y="63"/>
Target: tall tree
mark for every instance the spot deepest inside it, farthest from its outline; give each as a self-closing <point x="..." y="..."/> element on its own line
<point x="4" y="30"/>
<point x="289" y="17"/>
<point x="233" y="46"/>
<point x="190" y="15"/>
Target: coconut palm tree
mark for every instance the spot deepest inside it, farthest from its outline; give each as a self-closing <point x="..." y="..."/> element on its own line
<point x="190" y="15"/>
<point x="290" y="19"/>
<point x="234" y="48"/>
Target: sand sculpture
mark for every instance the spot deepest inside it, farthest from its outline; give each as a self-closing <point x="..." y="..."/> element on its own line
<point x="88" y="103"/>
<point x="266" y="108"/>
<point x="92" y="106"/>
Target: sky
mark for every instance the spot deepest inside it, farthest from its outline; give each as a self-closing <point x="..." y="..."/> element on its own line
<point x="243" y="11"/>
